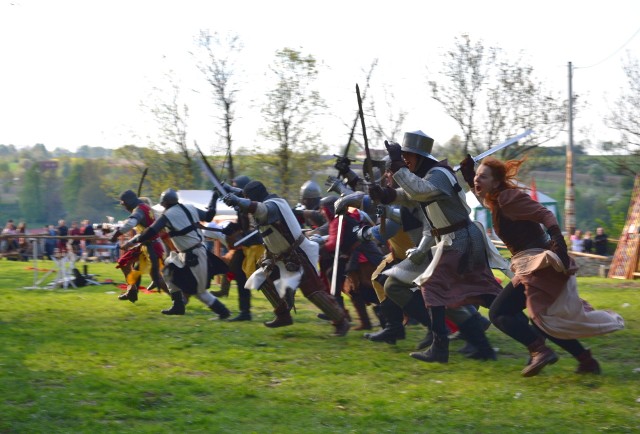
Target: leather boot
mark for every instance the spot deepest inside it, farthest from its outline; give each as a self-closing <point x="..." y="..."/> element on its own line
<point x="437" y="352"/>
<point x="426" y="342"/>
<point x="242" y="316"/>
<point x="361" y="309"/>
<point x="219" y="308"/>
<point x="587" y="364"/>
<point x="377" y="310"/>
<point x="394" y="328"/>
<point x="178" y="304"/>
<point x="330" y="307"/>
<point x="131" y="294"/>
<point x="541" y="356"/>
<point x="472" y="330"/>
<point x="283" y="316"/>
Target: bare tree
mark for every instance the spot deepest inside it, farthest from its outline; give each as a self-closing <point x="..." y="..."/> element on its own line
<point x="391" y="127"/>
<point x="219" y="71"/>
<point x="493" y="98"/>
<point x="291" y="107"/>
<point x="625" y="117"/>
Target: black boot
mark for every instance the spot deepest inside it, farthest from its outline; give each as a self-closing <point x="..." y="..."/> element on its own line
<point x="242" y="316"/>
<point x="220" y="309"/>
<point x="417" y="309"/>
<point x="225" y="285"/>
<point x="472" y="330"/>
<point x="131" y="294"/>
<point x="361" y="309"/>
<point x="394" y="329"/>
<point x="437" y="352"/>
<point x="178" y="304"/>
<point x="587" y="364"/>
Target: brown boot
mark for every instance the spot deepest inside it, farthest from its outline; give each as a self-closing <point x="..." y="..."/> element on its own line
<point x="131" y="294"/>
<point x="283" y="316"/>
<point x="541" y="356"/>
<point x="363" y="315"/>
<point x="588" y="365"/>
<point x="329" y="306"/>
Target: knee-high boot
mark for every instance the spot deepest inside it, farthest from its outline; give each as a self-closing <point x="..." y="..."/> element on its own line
<point x="394" y="329"/>
<point x="361" y="309"/>
<point x="416" y="308"/>
<point x="329" y="306"/>
<point x="282" y="309"/>
<point x="473" y="332"/>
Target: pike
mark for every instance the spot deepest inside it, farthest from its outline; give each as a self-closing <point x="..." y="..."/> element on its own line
<point x="497" y="148"/>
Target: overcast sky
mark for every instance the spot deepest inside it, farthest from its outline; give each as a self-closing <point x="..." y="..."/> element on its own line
<point x="74" y="73"/>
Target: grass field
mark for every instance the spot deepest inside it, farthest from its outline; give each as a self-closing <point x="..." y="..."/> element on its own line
<point x="81" y="361"/>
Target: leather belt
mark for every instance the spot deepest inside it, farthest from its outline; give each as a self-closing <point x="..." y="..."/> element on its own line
<point x="437" y="232"/>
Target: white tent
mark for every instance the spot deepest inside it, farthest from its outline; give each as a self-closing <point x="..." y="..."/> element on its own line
<point x="481" y="214"/>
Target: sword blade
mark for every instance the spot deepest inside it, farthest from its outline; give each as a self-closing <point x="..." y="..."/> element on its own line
<point x="497" y="148"/>
<point x="336" y="256"/>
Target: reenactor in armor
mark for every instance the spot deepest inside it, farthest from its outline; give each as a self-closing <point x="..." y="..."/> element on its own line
<point x="459" y="272"/>
<point x="308" y="210"/>
<point x="191" y="266"/>
<point x="290" y="260"/>
<point x="146" y="258"/>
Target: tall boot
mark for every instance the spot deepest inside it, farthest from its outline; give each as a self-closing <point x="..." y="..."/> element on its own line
<point x="361" y="308"/>
<point x="437" y="352"/>
<point x="541" y="356"/>
<point x="330" y="307"/>
<point x="281" y="308"/>
<point x="178" y="304"/>
<point x="416" y="308"/>
<point x="218" y="307"/>
<point x="587" y="364"/>
<point x="131" y="294"/>
<point x="377" y="310"/>
<point x="472" y="330"/>
<point x="394" y="328"/>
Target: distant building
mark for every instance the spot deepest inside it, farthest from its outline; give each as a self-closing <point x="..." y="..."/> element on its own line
<point x="49" y="165"/>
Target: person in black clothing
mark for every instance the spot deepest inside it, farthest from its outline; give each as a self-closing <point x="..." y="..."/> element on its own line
<point x="600" y="242"/>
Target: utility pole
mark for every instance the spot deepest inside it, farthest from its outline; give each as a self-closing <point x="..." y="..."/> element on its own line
<point x="569" y="198"/>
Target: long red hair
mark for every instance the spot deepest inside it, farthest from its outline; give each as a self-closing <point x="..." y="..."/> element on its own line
<point x="505" y="173"/>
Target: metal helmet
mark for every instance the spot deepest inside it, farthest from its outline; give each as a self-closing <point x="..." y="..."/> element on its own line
<point x="419" y="143"/>
<point x="241" y="181"/>
<point x="310" y="190"/>
<point x="129" y="199"/>
<point x="168" y="198"/>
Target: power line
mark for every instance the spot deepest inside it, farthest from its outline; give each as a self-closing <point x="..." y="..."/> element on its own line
<point x="612" y="54"/>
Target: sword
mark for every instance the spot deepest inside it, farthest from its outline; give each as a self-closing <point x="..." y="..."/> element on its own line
<point x="336" y="257"/>
<point x="497" y="148"/>
<point x="208" y="170"/>
<point x="245" y="238"/>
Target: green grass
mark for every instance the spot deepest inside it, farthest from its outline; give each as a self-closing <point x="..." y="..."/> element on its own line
<point x="79" y="360"/>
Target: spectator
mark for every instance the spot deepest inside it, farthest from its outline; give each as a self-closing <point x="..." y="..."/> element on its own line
<point x="600" y="242"/>
<point x="74" y="231"/>
<point x="587" y="242"/>
<point x="50" y="243"/>
<point x="86" y="229"/>
<point x="577" y="243"/>
<point x="63" y="231"/>
<point x="9" y="244"/>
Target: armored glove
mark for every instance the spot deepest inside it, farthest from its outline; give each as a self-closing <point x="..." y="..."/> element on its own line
<point x="558" y="245"/>
<point x="383" y="195"/>
<point x="213" y="203"/>
<point x="395" y="154"/>
<point x="418" y="254"/>
<point x="231" y="189"/>
<point x="365" y="233"/>
<point x="127" y="245"/>
<point x="236" y="202"/>
<point x="317" y="238"/>
<point x="343" y="165"/>
<point x="467" y="168"/>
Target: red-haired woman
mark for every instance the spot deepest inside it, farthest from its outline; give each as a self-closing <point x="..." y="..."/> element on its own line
<point x="544" y="281"/>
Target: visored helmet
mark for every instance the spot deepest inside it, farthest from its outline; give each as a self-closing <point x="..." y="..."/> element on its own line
<point x="419" y="143"/>
<point x="310" y="190"/>
<point x="168" y="198"/>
